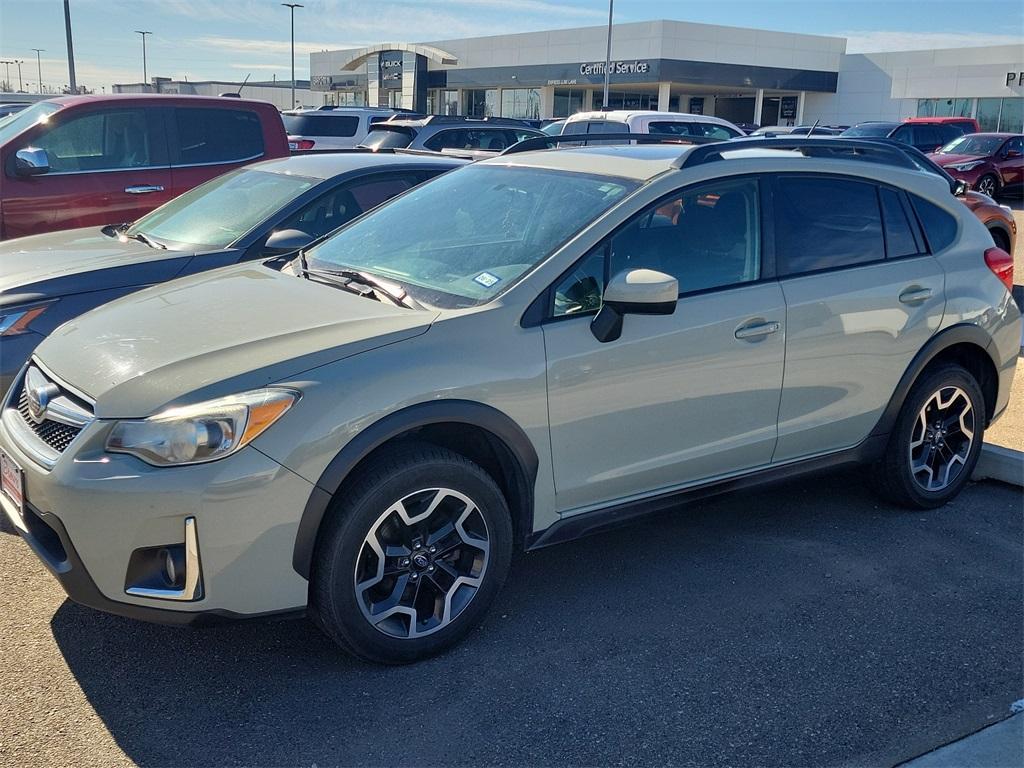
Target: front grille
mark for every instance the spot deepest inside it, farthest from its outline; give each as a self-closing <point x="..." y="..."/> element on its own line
<point x="56" y="435"/>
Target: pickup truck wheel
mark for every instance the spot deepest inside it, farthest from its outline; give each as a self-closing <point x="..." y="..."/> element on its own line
<point x="411" y="556"/>
<point x="935" y="444"/>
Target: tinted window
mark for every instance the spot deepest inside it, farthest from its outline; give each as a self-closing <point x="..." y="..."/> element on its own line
<point x="709" y="130"/>
<point x="15" y="123"/>
<point x="707" y="237"/>
<point x="823" y="223"/>
<point x="495" y="139"/>
<point x="581" y="290"/>
<point x="595" y="126"/>
<point x="321" y="125"/>
<point x="392" y="137"/>
<point x="939" y="226"/>
<point x="217" y="135"/>
<point x="341" y="205"/>
<point x="871" y="129"/>
<point x="1014" y="145"/>
<point x="902" y="133"/>
<point x="926" y="137"/>
<point x="104" y="140"/>
<point x="899" y="234"/>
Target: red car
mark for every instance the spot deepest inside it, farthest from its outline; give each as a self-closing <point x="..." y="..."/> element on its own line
<point x="79" y="161"/>
<point x="991" y="163"/>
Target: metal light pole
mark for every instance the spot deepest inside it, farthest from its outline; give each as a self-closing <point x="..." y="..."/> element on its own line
<point x="293" y="6"/>
<point x="39" y="68"/>
<point x="71" y="48"/>
<point x="608" y="56"/>
<point x="7" y="65"/>
<point x="21" y="85"/>
<point x="145" y="75"/>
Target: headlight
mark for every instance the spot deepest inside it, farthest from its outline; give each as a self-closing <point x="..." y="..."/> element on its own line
<point x="203" y="432"/>
<point x="966" y="166"/>
<point x="15" y="321"/>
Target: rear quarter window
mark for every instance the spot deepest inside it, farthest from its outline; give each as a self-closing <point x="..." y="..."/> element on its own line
<point x="217" y="135"/>
<point x="938" y="225"/>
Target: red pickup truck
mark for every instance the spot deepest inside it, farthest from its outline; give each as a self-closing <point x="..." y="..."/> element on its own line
<point x="79" y="161"/>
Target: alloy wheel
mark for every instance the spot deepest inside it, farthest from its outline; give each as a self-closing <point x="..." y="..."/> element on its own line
<point x="987" y="186"/>
<point x="942" y="438"/>
<point x="422" y="563"/>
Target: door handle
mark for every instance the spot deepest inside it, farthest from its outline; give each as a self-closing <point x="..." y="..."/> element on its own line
<point x="757" y="330"/>
<point x="144" y="189"/>
<point x="915" y="295"/>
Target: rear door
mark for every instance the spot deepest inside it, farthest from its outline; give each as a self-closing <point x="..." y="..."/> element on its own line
<point x="863" y="295"/>
<point x="108" y="165"/>
<point x="208" y="141"/>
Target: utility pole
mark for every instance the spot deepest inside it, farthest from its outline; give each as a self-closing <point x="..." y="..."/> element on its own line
<point x="39" y="68"/>
<point x="293" y="6"/>
<point x="7" y="78"/>
<point x="71" y="48"/>
<point x="608" y="57"/>
<point x="145" y="75"/>
<point x="21" y="85"/>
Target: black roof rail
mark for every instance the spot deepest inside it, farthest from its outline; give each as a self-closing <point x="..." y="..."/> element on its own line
<point x="810" y="146"/>
<point x="551" y="142"/>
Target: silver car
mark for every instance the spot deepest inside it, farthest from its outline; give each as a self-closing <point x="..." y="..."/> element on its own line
<point x="519" y="352"/>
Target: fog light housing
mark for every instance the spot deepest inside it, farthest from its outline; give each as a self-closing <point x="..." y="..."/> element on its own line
<point x="167" y="572"/>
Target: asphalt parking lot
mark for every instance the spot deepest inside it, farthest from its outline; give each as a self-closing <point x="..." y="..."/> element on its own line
<point x="803" y="625"/>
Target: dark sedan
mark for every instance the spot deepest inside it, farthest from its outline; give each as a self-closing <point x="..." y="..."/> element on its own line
<point x="259" y="211"/>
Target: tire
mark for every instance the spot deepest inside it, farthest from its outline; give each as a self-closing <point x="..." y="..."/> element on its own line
<point x="913" y="445"/>
<point x="430" y="589"/>
<point x="1000" y="239"/>
<point x="988" y="185"/>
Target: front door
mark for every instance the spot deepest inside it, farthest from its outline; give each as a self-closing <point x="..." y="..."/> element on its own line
<point x="107" y="166"/>
<point x="862" y="297"/>
<point x="677" y="398"/>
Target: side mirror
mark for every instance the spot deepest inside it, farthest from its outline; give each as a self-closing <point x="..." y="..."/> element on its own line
<point x="960" y="187"/>
<point x="31" y="162"/>
<point x="1012" y="153"/>
<point x="285" y="241"/>
<point x="634" y="292"/>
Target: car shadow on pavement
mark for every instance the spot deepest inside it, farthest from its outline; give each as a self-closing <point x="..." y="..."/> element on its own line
<point x="803" y="624"/>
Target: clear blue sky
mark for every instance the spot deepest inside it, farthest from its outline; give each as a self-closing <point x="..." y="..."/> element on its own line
<point x="226" y="39"/>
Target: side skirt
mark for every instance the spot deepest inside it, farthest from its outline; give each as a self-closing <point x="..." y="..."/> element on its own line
<point x="599" y="520"/>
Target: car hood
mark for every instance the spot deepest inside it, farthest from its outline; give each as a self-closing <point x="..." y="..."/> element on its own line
<point x="945" y="160"/>
<point x="37" y="259"/>
<point x="214" y="334"/>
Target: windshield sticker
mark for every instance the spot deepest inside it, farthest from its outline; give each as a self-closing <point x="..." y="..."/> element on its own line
<point x="486" y="279"/>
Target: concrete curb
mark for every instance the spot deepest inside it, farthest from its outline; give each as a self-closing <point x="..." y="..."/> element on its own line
<point x="993" y="747"/>
<point x="998" y="463"/>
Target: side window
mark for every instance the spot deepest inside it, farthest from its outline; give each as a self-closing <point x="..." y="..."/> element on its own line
<point x="903" y="133"/>
<point x="926" y="137"/>
<point x="939" y="226"/>
<point x="339" y="206"/>
<point x="217" y="135"/>
<point x="709" y="236"/>
<point x="825" y="223"/>
<point x="1014" y="145"/>
<point x="580" y="291"/>
<point x="899" y="233"/>
<point x="451" y="139"/>
<point x="102" y="141"/>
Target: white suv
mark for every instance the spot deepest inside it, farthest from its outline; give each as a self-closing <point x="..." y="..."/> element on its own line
<point x="337" y="128"/>
<point x="647" y="121"/>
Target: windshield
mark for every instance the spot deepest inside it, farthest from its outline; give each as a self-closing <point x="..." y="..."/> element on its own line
<point x="395" y="137"/>
<point x="220" y="211"/>
<point x="976" y="146"/>
<point x="16" y="122"/>
<point x="870" y="129"/>
<point x="463" y="238"/>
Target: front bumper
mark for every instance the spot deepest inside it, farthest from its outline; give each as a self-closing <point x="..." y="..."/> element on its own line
<point x="86" y="515"/>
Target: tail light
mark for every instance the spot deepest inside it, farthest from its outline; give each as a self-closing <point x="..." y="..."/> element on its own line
<point x="301" y="144"/>
<point x="1001" y="264"/>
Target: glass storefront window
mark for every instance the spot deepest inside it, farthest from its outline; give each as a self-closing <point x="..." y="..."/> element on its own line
<point x="482" y="102"/>
<point x="568" y="102"/>
<point x="522" y="103"/>
<point x="623" y="100"/>
<point x="943" y="107"/>
<point x="1001" y="114"/>
<point x="345" y="98"/>
<point x="442" y="102"/>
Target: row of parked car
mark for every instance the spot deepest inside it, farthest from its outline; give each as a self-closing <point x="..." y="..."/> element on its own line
<point x="351" y="383"/>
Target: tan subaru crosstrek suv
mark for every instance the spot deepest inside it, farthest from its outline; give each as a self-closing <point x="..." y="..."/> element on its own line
<point x="516" y="353"/>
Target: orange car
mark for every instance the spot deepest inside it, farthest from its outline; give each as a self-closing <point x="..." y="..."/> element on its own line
<point x="997" y="218"/>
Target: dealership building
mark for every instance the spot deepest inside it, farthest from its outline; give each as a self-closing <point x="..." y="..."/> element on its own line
<point x="742" y="75"/>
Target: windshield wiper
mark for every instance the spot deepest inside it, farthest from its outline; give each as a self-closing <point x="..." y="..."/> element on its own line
<point x="362" y="284"/>
<point x="144" y="239"/>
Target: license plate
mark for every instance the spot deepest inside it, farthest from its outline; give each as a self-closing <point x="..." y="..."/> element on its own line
<point x="12" y="486"/>
<point x="293" y="145"/>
